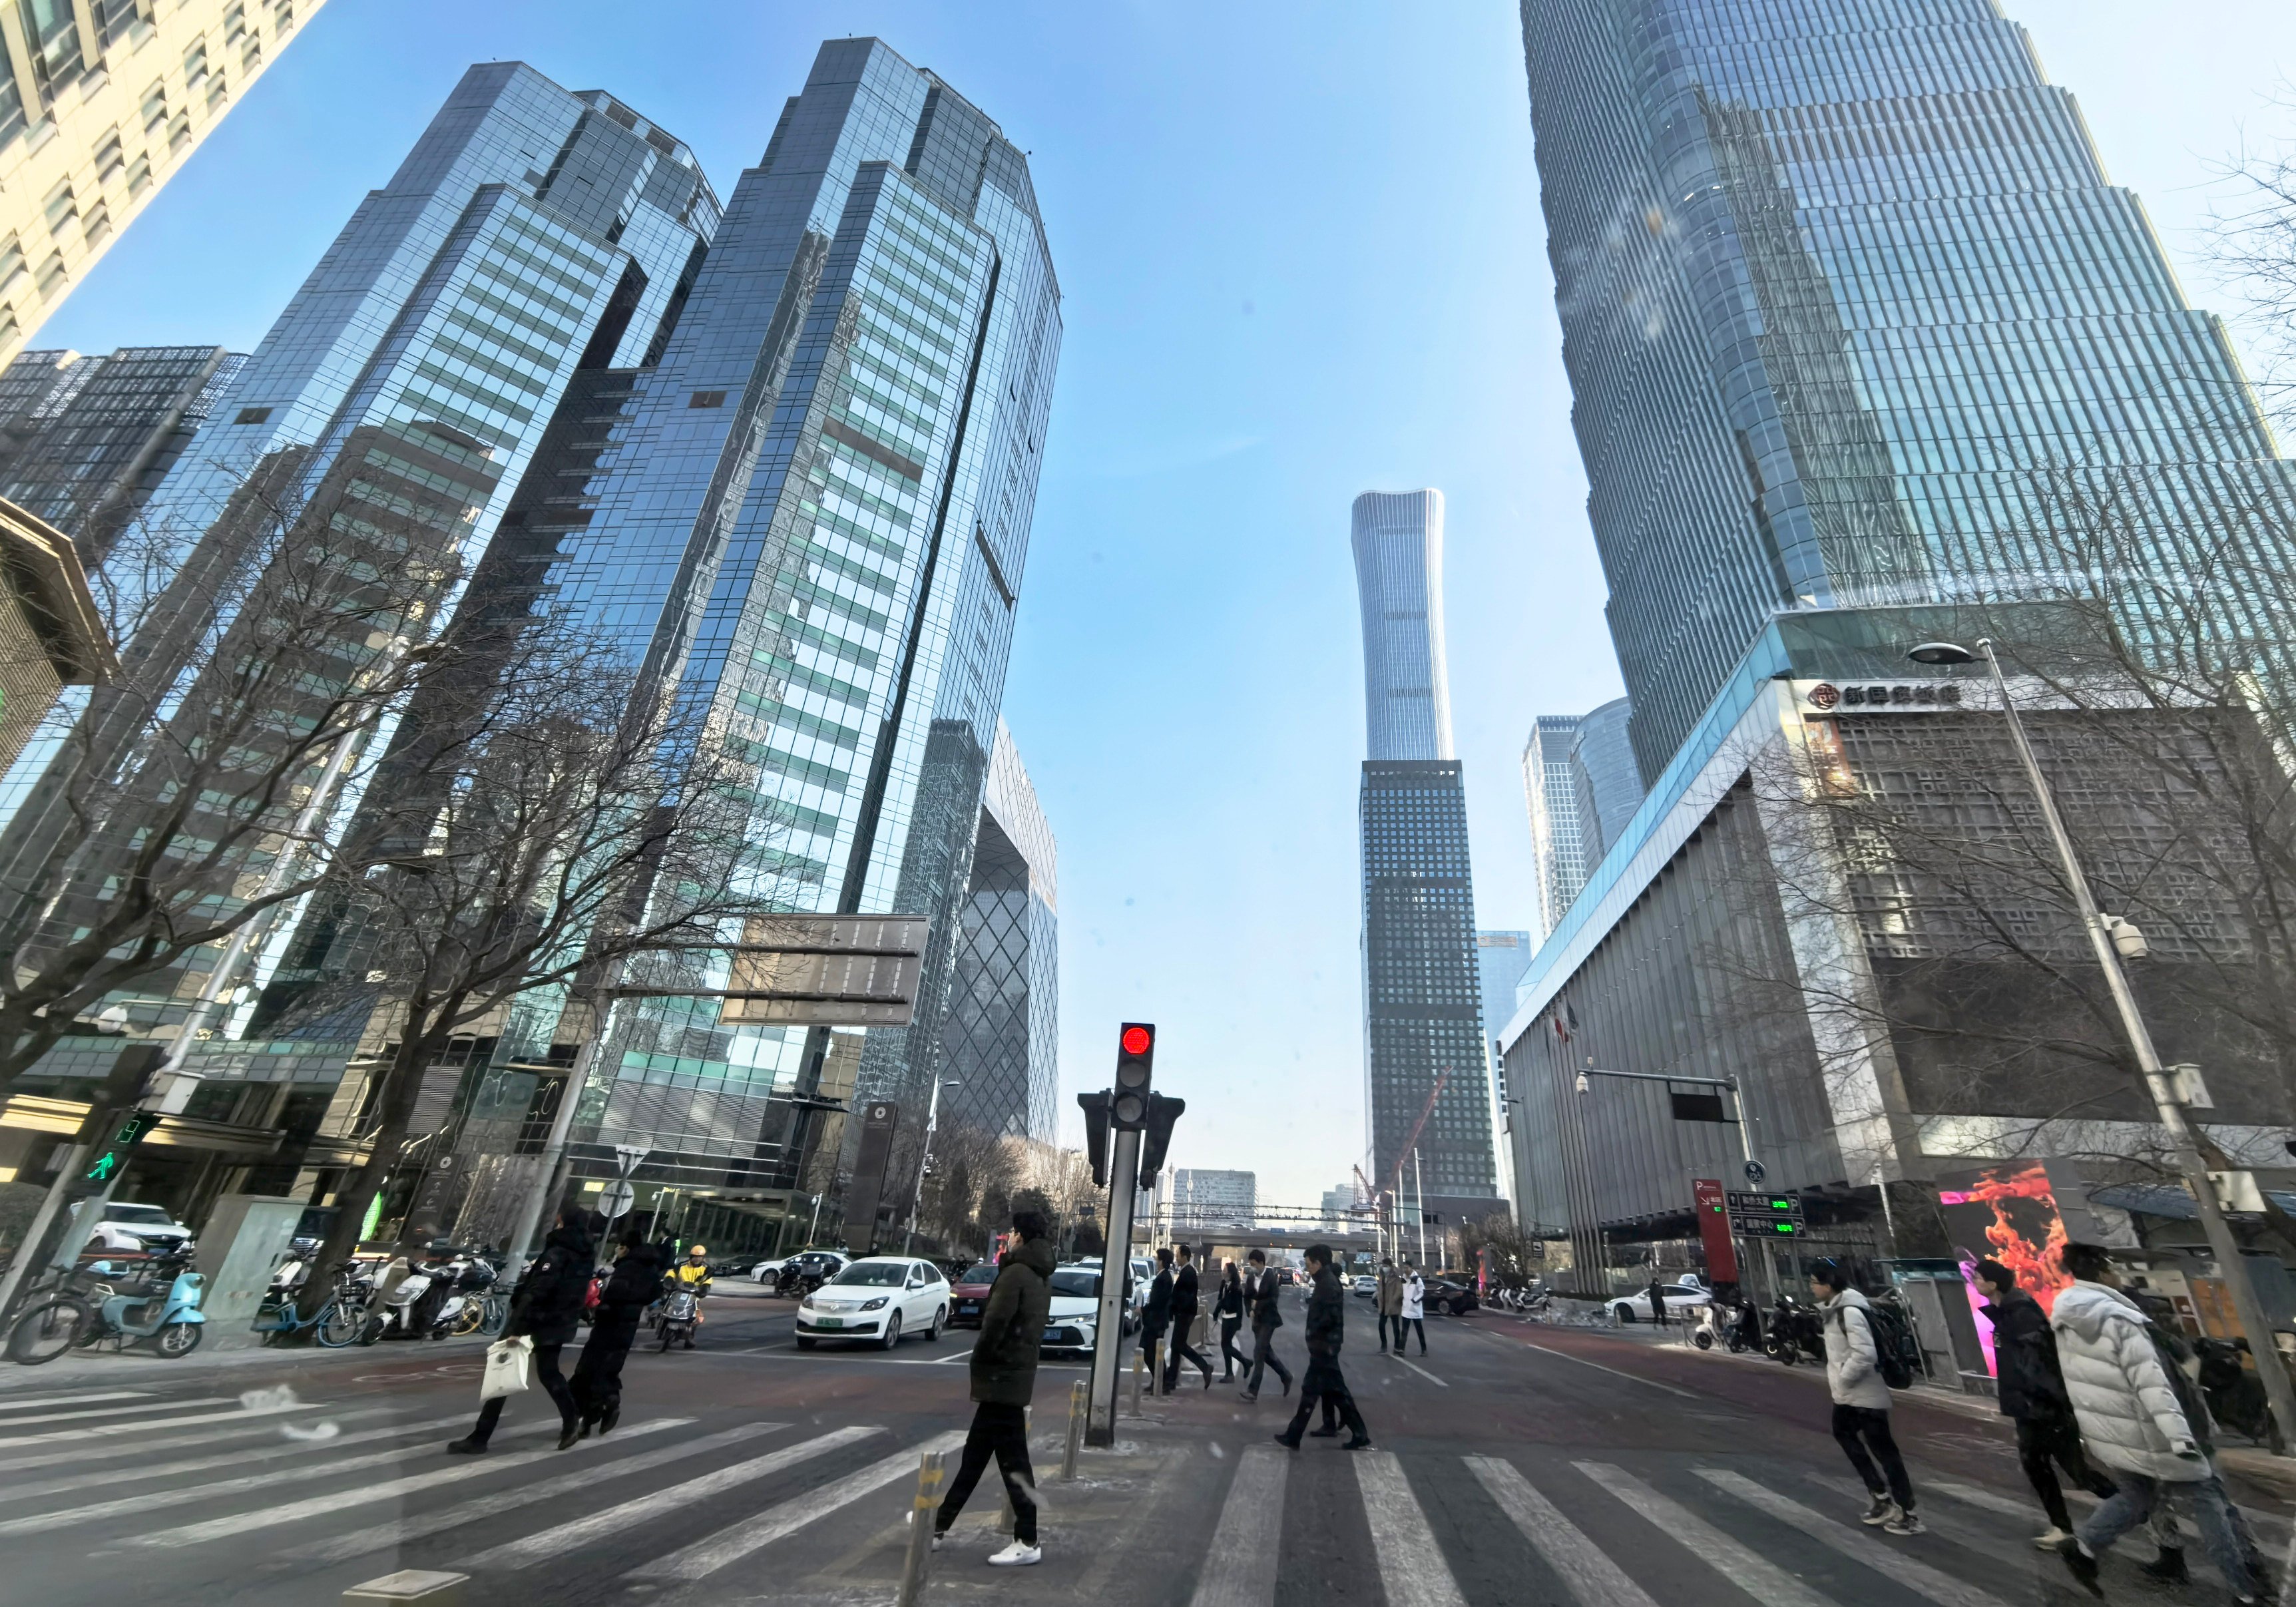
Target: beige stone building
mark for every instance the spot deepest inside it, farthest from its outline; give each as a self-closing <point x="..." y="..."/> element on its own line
<point x="102" y="102"/>
<point x="51" y="635"/>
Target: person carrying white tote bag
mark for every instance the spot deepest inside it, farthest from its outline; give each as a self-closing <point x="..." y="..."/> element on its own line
<point x="510" y="1368"/>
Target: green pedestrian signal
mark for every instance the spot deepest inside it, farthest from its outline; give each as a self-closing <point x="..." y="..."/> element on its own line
<point x="113" y="1154"/>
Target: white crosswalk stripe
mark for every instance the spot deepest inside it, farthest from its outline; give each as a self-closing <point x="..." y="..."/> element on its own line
<point x="143" y="1472"/>
<point x="250" y="1425"/>
<point x="706" y="1556"/>
<point x="1756" y="1575"/>
<point x="81" y="1415"/>
<point x="376" y="1537"/>
<point x="150" y="1424"/>
<point x="1239" y="1569"/>
<point x="1411" y="1565"/>
<point x="17" y="1403"/>
<point x="1893" y="1561"/>
<point x="1583" y="1566"/>
<point x="555" y="1542"/>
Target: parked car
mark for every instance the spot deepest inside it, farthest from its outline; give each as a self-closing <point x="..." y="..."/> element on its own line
<point x="968" y="1294"/>
<point x="153" y="1227"/>
<point x="1072" y="1325"/>
<point x="876" y="1299"/>
<point x="789" y="1273"/>
<point x="1685" y="1294"/>
<point x="1451" y="1292"/>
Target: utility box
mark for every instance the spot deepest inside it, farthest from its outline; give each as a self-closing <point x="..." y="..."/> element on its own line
<point x="246" y="1238"/>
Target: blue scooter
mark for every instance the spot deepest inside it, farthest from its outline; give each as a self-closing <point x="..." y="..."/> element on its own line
<point x="165" y="1308"/>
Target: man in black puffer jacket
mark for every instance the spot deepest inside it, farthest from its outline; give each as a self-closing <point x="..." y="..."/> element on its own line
<point x="2032" y="1394"/>
<point x="1004" y="1381"/>
<point x="546" y="1308"/>
<point x="636" y="1282"/>
<point x="1327" y="1317"/>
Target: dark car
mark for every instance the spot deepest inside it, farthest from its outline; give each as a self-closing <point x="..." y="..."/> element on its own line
<point x="968" y="1294"/>
<point x="1447" y="1293"/>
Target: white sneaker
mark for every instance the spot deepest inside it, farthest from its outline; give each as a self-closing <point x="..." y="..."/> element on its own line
<point x="2052" y="1540"/>
<point x="1017" y="1555"/>
<point x="1881" y="1511"/>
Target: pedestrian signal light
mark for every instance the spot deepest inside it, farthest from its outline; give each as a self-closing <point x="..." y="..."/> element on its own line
<point x="1136" y="1056"/>
<point x="112" y="1155"/>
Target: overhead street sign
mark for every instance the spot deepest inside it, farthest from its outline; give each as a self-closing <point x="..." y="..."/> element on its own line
<point x="1772" y="1205"/>
<point x="840" y="971"/>
<point x="1767" y="1227"/>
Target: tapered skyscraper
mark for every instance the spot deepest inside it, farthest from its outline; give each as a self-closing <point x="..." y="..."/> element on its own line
<point x="1423" y="1010"/>
<point x="1853" y="317"/>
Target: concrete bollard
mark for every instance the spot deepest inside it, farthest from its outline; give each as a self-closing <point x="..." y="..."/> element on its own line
<point x="922" y="1513"/>
<point x="1079" y="1410"/>
<point x="416" y="1586"/>
<point x="1139" y="1369"/>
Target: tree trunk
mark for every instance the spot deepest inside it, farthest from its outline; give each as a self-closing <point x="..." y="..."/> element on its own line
<point x="396" y="1104"/>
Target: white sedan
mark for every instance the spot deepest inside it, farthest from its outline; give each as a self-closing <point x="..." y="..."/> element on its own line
<point x="1072" y="1322"/>
<point x="1686" y="1294"/>
<point x="877" y="1299"/>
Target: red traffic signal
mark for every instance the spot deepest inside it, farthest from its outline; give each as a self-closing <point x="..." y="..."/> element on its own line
<point x="1135" y="1054"/>
<point x="1137" y="1039"/>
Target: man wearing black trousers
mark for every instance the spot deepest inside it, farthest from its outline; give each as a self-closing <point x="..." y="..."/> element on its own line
<point x="2032" y="1394"/>
<point x="1004" y="1380"/>
<point x="1155" y="1316"/>
<point x="546" y="1308"/>
<point x="1263" y="1293"/>
<point x="1185" y="1306"/>
<point x="1326" y="1330"/>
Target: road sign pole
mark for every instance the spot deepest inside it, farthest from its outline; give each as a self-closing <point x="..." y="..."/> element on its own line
<point x="1115" y="1272"/>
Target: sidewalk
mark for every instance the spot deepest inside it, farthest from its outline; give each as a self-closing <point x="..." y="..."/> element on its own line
<point x="139" y="1365"/>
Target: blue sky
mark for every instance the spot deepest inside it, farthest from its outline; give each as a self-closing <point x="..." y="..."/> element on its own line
<point x="1301" y="254"/>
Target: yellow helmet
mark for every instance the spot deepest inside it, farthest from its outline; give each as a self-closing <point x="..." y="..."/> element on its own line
<point x="697" y="1249"/>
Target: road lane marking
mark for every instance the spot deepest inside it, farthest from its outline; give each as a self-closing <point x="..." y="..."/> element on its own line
<point x="84" y="1454"/>
<point x="82" y="1416"/>
<point x="735" y="1541"/>
<point x="1756" y="1575"/>
<point x="1240" y="1568"/>
<point x="1585" y="1568"/>
<point x="550" y="1544"/>
<point x="389" y="1489"/>
<point x="137" y="1475"/>
<point x="1632" y="1378"/>
<point x="147" y="1425"/>
<point x="10" y="1403"/>
<point x="1889" y="1561"/>
<point x="1423" y="1373"/>
<point x="1411" y="1565"/>
<point x="359" y="1542"/>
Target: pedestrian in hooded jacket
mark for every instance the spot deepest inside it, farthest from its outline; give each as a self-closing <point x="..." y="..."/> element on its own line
<point x="597" y="1383"/>
<point x="2031" y="1393"/>
<point x="2147" y="1433"/>
<point x="1413" y="1315"/>
<point x="1327" y="1317"/>
<point x="1004" y="1381"/>
<point x="547" y="1307"/>
<point x="1861" y="1401"/>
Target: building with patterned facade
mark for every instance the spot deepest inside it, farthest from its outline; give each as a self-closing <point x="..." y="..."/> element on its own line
<point x="1000" y="1044"/>
<point x="102" y="102"/>
<point x="1205" y="1197"/>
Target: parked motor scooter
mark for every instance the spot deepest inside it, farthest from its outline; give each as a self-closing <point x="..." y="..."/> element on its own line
<point x="466" y="1279"/>
<point x="159" y="1301"/>
<point x="1796" y="1334"/>
<point x="402" y="1311"/>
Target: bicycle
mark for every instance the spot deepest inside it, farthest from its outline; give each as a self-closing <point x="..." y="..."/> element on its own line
<point x="486" y="1313"/>
<point x="333" y="1325"/>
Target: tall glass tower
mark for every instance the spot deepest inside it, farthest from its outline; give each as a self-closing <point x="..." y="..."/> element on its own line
<point x="812" y="520"/>
<point x="1426" y="1085"/>
<point x="1852" y="315"/>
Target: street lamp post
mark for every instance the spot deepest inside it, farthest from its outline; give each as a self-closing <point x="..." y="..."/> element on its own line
<point x="2104" y="934"/>
<point x="932" y="1124"/>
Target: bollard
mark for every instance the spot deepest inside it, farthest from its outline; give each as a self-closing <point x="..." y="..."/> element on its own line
<point x="921" y="1530"/>
<point x="1139" y="1366"/>
<point x="1079" y="1409"/>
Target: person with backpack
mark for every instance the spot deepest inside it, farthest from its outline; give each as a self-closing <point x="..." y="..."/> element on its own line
<point x="1857" y="1355"/>
<point x="2031" y="1393"/>
<point x="2142" y="1421"/>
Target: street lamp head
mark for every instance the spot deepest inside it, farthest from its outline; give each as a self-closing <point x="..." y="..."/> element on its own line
<point x="1582" y="1082"/>
<point x="1941" y="653"/>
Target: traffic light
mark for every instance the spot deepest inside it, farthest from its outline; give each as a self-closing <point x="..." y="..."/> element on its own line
<point x="1163" y="1110"/>
<point x="1096" y="1134"/>
<point x="1135" y="1058"/>
<point x="112" y="1153"/>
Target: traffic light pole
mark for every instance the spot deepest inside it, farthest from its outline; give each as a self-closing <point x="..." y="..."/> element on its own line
<point x="1115" y="1273"/>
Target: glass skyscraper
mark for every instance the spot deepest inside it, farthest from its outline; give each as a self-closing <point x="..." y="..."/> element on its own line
<point x="1853" y="317"/>
<point x="813" y="520"/>
<point x="1557" y="844"/>
<point x="1422" y="1005"/>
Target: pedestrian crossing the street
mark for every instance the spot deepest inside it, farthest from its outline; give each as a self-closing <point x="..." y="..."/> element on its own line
<point x="697" y="1509"/>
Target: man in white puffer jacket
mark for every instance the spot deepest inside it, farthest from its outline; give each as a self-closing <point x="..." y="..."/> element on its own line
<point x="2134" y="1427"/>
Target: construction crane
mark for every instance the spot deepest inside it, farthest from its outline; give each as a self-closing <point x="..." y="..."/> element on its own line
<point x="1364" y="1192"/>
<point x="1417" y="1127"/>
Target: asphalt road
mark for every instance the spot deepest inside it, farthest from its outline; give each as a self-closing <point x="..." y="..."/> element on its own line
<point x="1514" y="1464"/>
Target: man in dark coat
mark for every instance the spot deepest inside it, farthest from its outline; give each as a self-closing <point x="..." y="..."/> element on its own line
<point x="1327" y="1316"/>
<point x="1263" y="1294"/>
<point x="2030" y="1387"/>
<point x="1004" y="1381"/>
<point x="1156" y="1315"/>
<point x="597" y="1383"/>
<point x="546" y="1308"/>
<point x="1185" y="1303"/>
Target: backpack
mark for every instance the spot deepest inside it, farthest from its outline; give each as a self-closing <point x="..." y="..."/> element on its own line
<point x="1897" y="1355"/>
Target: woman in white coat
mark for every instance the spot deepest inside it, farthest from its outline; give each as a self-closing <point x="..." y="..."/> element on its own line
<point x="1415" y="1309"/>
<point x="2153" y="1444"/>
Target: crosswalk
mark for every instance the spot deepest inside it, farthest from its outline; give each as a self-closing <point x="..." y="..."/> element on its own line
<point x="278" y="1497"/>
